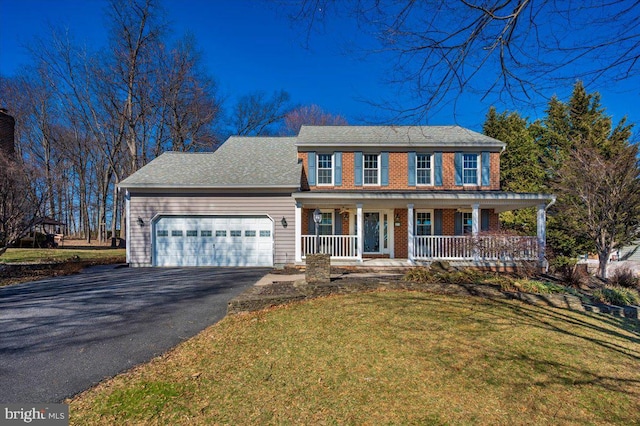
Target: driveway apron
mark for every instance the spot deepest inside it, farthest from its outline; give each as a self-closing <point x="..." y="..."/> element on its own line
<point x="60" y="336"/>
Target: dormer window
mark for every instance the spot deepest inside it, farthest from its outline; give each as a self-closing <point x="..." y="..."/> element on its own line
<point x="325" y="169"/>
<point x="371" y="169"/>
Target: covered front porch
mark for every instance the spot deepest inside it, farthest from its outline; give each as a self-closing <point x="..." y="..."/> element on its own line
<point x="416" y="227"/>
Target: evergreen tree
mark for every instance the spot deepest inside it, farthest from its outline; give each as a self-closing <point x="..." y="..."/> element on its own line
<point x="521" y="170"/>
<point x="592" y="167"/>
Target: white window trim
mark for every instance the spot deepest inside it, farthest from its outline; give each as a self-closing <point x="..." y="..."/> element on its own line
<point x="333" y="168"/>
<point x="431" y="169"/>
<point x="415" y="220"/>
<point x="379" y="170"/>
<point x="478" y="170"/>
<point x="468" y="212"/>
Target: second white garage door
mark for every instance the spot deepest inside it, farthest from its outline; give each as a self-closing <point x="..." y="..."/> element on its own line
<point x="213" y="241"/>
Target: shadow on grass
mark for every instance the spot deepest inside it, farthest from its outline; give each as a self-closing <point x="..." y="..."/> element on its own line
<point x="553" y="319"/>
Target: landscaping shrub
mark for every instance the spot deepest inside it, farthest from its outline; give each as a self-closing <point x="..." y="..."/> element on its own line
<point x="565" y="268"/>
<point x="419" y="275"/>
<point x="617" y="296"/>
<point x="625" y="277"/>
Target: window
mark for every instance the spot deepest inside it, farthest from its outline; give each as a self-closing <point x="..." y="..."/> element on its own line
<point x="467" y="222"/>
<point x="205" y="233"/>
<point x="162" y="233"/>
<point x="371" y="169"/>
<point x="325" y="169"/>
<point x="192" y="233"/>
<point x="423" y="223"/>
<point x="470" y="169"/>
<point x="221" y="233"/>
<point x="423" y="169"/>
<point x="236" y="233"/>
<point x="249" y="233"/>
<point x="326" y="225"/>
<point x="265" y="233"/>
<point x="176" y="233"/>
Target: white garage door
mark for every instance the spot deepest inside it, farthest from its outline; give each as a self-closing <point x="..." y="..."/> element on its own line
<point x="213" y="241"/>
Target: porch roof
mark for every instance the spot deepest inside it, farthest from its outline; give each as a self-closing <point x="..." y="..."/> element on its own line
<point x="500" y="201"/>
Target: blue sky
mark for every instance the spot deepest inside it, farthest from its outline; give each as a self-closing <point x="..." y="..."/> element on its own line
<point x="251" y="45"/>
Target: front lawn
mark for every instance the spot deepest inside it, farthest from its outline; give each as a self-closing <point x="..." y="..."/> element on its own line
<point x="386" y="358"/>
<point x="37" y="255"/>
<point x="19" y="265"/>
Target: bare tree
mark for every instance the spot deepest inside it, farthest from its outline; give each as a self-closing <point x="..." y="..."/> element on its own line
<point x="602" y="191"/>
<point x="256" y="114"/>
<point x="311" y="115"/>
<point x="437" y="48"/>
<point x="18" y="202"/>
<point x="189" y="102"/>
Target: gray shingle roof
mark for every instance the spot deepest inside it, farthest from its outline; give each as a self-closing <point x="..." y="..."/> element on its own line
<point x="407" y="136"/>
<point x="239" y="162"/>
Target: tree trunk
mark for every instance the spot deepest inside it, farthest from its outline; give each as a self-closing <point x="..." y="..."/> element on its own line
<point x="603" y="263"/>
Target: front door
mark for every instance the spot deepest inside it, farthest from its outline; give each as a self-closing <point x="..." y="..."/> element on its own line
<point x="372" y="232"/>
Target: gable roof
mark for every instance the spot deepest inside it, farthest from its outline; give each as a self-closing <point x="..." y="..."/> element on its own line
<point x="241" y="162"/>
<point x="396" y="136"/>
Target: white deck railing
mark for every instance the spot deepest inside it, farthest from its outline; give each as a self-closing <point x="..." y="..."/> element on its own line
<point x="338" y="246"/>
<point x="481" y="248"/>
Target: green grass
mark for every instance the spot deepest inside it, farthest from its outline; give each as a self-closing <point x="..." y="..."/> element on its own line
<point x="36" y="255"/>
<point x="386" y="358"/>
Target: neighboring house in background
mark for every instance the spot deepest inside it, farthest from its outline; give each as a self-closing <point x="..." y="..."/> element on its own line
<point x="630" y="252"/>
<point x="418" y="193"/>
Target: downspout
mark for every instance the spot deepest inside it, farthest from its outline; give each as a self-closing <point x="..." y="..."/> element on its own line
<point x="542" y="239"/>
<point x="552" y="202"/>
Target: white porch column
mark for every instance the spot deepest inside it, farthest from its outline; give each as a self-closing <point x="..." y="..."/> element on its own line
<point x="475" y="230"/>
<point x="359" y="232"/>
<point x="298" y="231"/>
<point x="475" y="219"/>
<point x="541" y="222"/>
<point x="410" y="245"/>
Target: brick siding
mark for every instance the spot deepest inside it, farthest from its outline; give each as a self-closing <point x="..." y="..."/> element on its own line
<point x="398" y="170"/>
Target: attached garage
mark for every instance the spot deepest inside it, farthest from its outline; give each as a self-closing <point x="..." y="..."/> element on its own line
<point x="213" y="241"/>
<point x="231" y="207"/>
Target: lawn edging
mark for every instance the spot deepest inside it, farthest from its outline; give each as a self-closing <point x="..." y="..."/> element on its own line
<point x="280" y="293"/>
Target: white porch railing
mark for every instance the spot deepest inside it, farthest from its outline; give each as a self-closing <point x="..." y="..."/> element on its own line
<point x="482" y="248"/>
<point x="338" y="246"/>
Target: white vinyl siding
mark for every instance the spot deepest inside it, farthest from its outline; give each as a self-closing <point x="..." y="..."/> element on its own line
<point x="147" y="206"/>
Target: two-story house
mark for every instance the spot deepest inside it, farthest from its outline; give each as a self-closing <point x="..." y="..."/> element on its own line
<point x="416" y="193"/>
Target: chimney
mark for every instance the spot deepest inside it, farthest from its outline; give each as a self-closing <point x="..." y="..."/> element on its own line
<point x="7" y="129"/>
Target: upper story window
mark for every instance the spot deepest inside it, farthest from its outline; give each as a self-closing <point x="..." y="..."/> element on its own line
<point x="325" y="169"/>
<point x="371" y="169"/>
<point x="470" y="169"/>
<point x="424" y="169"/>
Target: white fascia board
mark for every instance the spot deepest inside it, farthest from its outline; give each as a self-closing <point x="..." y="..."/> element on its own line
<point x="204" y="187"/>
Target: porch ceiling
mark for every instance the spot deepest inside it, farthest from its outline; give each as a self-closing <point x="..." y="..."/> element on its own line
<point x="497" y="200"/>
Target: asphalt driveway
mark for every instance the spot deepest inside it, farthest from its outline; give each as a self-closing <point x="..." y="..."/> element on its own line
<point x="60" y="336"/>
